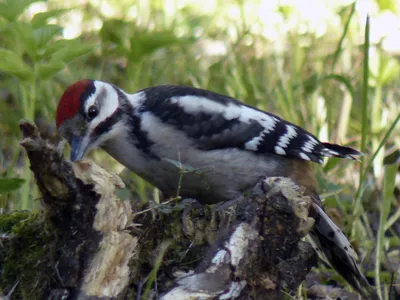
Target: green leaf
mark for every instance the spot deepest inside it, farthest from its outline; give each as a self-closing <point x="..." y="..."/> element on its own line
<point x="10" y="184"/>
<point x="383" y="68"/>
<point x="40" y="19"/>
<point x="184" y="168"/>
<point x="11" y="63"/>
<point x="3" y="25"/>
<point x="51" y="48"/>
<point x="72" y="50"/>
<point x="23" y="37"/>
<point x="389" y="181"/>
<point x="12" y="9"/>
<point x="310" y="84"/>
<point x="44" y="34"/>
<point x="387" y="5"/>
<point x="115" y="36"/>
<point x="65" y="50"/>
<point x="390" y="70"/>
<point x="339" y="47"/>
<point x="145" y="43"/>
<point x="392" y="158"/>
<point x="47" y="70"/>
<point x="341" y="79"/>
<point x="115" y="31"/>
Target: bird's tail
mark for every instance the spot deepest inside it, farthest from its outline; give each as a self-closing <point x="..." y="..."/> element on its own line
<point x="333" y="247"/>
<point x="330" y="150"/>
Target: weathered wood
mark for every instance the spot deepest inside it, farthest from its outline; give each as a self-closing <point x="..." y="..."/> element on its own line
<point x="92" y="247"/>
<point x="261" y="254"/>
<point x="105" y="248"/>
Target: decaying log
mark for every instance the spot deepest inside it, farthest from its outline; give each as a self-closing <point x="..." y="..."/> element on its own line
<point x="107" y="249"/>
<point x="262" y="253"/>
<point x="90" y="221"/>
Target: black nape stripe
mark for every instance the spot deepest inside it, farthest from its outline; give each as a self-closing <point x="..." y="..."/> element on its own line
<point x="140" y="140"/>
<point x="122" y="98"/>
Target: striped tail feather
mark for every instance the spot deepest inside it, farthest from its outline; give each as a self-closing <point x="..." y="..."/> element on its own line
<point x="334" y="248"/>
<point x="340" y="151"/>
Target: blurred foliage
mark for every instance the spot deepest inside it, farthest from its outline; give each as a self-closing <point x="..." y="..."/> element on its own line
<point x="10" y="184"/>
<point x="31" y="53"/>
<point x="317" y="70"/>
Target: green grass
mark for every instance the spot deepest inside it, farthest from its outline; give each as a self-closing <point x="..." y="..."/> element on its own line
<point x="327" y="84"/>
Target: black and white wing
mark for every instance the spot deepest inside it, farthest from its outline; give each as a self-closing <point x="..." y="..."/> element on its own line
<point x="214" y="121"/>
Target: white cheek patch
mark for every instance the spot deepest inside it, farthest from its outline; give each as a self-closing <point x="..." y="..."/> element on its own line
<point x="107" y="100"/>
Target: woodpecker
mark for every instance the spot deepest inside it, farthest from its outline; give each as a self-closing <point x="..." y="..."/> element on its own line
<point x="224" y="146"/>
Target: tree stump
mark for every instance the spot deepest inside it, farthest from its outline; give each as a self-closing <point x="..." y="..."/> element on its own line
<point x="105" y="248"/>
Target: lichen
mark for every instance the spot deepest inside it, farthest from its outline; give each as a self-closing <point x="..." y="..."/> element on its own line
<point x="25" y="255"/>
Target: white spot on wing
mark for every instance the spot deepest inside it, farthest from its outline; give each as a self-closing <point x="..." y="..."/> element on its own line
<point x="173" y="100"/>
<point x="313" y="140"/>
<point x="279" y="150"/>
<point x="284" y="140"/>
<point x="245" y="114"/>
<point x="329" y="152"/>
<point x="268" y="122"/>
<point x="304" y="156"/>
<point x="309" y="145"/>
<point x="253" y="144"/>
<point x="194" y="104"/>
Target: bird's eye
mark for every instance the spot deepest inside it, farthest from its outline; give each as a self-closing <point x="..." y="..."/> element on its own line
<point x="92" y="112"/>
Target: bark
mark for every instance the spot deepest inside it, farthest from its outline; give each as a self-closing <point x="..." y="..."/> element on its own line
<point x="93" y="248"/>
<point x="261" y="254"/>
<point x="105" y="248"/>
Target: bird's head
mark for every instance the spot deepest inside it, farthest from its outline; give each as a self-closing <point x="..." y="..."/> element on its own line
<point x="87" y="115"/>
